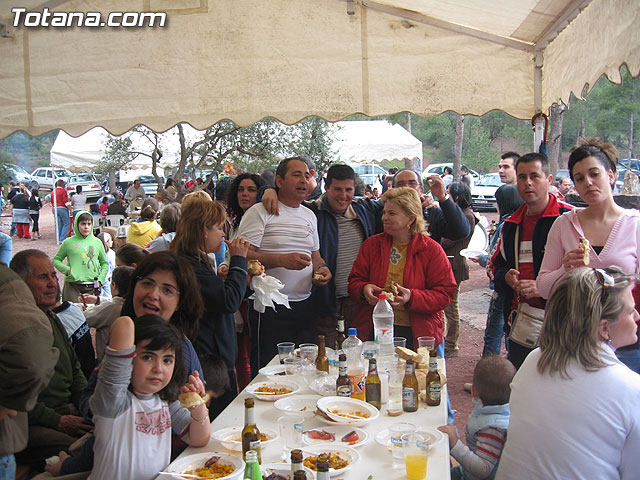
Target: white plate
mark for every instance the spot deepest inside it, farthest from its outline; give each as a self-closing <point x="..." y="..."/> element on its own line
<point x="339" y="431"/>
<point x="274" y="372"/>
<point x="469" y="253"/>
<point x="271" y="397"/>
<point x="304" y="405"/>
<point x="349" y="454"/>
<point x="197" y="460"/>
<point x="231" y="437"/>
<point x="348" y="405"/>
<point x="383" y="437"/>
<point x="283" y="469"/>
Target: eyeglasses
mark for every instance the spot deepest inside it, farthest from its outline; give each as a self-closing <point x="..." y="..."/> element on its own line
<point x="165" y="289"/>
<point x="410" y="183"/>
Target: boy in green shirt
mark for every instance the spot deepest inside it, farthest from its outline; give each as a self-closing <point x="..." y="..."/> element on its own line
<point x="86" y="258"/>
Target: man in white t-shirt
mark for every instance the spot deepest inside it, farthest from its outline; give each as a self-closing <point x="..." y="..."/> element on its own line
<point x="288" y="247"/>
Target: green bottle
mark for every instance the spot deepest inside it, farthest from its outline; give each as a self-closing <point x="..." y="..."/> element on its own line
<point x="252" y="470"/>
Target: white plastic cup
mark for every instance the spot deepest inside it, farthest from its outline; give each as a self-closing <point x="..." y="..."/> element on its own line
<point x="290" y="432"/>
<point x="292" y="366"/>
<point x="285" y="350"/>
<point x="399" y="342"/>
<point x="415" y="448"/>
<point x="369" y="350"/>
<point x="396" y="433"/>
<point x="427" y="342"/>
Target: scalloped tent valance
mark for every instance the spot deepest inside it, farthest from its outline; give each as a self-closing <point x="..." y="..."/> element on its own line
<point x="244" y="60"/>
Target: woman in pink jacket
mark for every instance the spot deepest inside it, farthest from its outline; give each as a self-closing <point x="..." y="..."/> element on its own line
<point x="611" y="230"/>
<point x="403" y="255"/>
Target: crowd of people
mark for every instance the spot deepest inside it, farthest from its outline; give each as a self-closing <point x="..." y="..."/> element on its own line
<point x="176" y="315"/>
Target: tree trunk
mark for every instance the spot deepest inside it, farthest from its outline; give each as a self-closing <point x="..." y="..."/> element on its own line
<point x="554" y="148"/>
<point x="409" y="122"/>
<point x="631" y="127"/>
<point x="457" y="160"/>
<point x="112" y="182"/>
<point x="582" y="128"/>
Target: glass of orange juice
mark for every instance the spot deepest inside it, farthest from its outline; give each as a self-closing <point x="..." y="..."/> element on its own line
<point x="415" y="449"/>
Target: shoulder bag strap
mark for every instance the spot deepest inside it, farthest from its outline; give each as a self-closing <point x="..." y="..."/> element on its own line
<point x="516" y="247"/>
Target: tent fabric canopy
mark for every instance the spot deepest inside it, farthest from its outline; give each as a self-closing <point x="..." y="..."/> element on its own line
<point x="244" y="60"/>
<point x="368" y="141"/>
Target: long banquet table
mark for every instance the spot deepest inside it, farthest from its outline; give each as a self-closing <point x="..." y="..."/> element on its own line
<point x="375" y="460"/>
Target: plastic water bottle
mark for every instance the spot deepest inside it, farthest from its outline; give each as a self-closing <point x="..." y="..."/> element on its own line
<point x="352" y="347"/>
<point x="383" y="321"/>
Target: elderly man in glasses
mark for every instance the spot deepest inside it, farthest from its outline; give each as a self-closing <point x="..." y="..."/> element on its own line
<point x="445" y="220"/>
<point x="55" y="421"/>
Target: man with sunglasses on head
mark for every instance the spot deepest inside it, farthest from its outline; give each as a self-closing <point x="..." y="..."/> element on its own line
<point x="523" y="239"/>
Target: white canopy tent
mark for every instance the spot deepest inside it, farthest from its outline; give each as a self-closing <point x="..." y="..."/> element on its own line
<point x="244" y="60"/>
<point x="369" y="141"/>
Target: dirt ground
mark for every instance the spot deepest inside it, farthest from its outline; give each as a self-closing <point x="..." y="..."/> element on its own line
<point x="474" y="303"/>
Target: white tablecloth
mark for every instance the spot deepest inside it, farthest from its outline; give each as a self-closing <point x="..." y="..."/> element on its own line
<point x="375" y="460"/>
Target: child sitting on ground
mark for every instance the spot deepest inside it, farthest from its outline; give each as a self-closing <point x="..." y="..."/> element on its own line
<point x="135" y="404"/>
<point x="487" y="425"/>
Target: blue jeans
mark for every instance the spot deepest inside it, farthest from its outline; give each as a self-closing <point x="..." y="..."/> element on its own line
<point x="5" y="248"/>
<point x="630" y="357"/>
<point x="63" y="222"/>
<point x="7" y="467"/>
<point x="494" y="331"/>
<point x="450" y="412"/>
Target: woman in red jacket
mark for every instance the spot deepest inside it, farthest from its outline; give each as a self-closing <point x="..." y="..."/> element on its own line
<point x="406" y="256"/>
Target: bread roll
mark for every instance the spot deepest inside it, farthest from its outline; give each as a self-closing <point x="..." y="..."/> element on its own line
<point x="584" y="245"/>
<point x="409" y="355"/>
<point x="191" y="399"/>
<point x="255" y="267"/>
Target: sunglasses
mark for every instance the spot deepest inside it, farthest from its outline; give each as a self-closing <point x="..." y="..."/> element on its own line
<point x="607" y="281"/>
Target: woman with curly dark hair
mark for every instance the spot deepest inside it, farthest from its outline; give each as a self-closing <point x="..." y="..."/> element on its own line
<point x="242" y="195"/>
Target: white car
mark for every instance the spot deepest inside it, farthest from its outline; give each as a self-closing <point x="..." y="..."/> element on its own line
<point x="45" y="176"/>
<point x="483" y="193"/>
<point x="438" y="169"/>
<point x="370" y="173"/>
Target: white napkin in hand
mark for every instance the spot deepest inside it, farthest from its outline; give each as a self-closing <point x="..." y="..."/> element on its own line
<point x="267" y="291"/>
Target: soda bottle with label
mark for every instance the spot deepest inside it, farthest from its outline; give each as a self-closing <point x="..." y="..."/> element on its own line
<point x="252" y="468"/>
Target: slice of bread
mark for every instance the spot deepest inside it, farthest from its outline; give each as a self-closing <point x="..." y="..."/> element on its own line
<point x="408" y="354"/>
